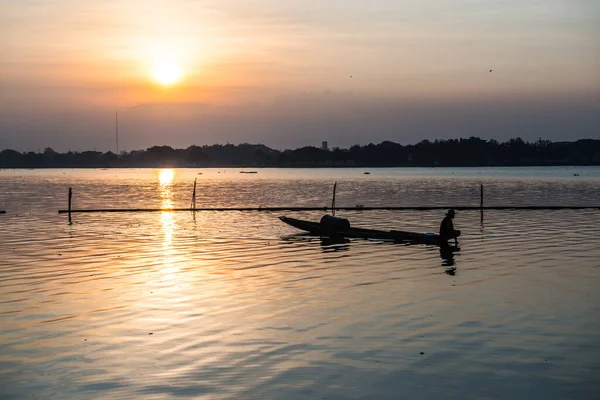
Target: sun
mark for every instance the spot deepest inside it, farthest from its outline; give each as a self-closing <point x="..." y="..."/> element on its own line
<point x="167" y="73"/>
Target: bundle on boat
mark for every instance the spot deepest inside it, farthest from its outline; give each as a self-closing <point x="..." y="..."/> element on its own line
<point x="333" y="224"/>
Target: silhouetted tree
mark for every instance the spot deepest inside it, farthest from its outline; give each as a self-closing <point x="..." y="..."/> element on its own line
<point x="471" y="151"/>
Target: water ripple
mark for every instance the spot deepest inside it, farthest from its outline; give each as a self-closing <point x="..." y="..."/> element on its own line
<point x="239" y="305"/>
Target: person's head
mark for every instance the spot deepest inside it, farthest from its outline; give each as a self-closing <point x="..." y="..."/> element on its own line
<point x="451" y="213"/>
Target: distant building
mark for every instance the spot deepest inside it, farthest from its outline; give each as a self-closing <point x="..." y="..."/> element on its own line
<point x="324" y="145"/>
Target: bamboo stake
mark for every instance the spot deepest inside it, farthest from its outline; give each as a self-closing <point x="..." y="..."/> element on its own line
<point x="481" y="203"/>
<point x="70" y="198"/>
<point x="193" y="202"/>
<point x="333" y="200"/>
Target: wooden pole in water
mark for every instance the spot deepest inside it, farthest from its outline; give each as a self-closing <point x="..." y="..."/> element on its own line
<point x="481" y="202"/>
<point x="333" y="200"/>
<point x="193" y="203"/>
<point x="70" y="198"/>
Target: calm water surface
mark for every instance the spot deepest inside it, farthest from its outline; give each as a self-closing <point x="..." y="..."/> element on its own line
<point x="238" y="305"/>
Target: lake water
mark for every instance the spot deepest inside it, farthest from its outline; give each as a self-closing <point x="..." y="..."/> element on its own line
<point x="234" y="305"/>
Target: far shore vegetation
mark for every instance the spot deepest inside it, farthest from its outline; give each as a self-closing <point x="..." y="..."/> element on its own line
<point x="471" y="152"/>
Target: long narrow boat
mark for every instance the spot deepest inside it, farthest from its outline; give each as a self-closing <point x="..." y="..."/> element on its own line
<point x="326" y="229"/>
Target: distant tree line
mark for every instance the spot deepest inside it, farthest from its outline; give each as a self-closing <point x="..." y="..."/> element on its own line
<point x="469" y="152"/>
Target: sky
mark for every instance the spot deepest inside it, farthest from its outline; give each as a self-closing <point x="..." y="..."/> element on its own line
<point x="294" y="73"/>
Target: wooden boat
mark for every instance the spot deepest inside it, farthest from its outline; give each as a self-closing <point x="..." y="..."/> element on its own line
<point x="338" y="227"/>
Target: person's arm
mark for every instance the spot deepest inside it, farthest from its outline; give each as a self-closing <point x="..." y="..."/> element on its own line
<point x="450" y="227"/>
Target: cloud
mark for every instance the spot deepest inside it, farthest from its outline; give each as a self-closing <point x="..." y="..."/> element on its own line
<point x="386" y="70"/>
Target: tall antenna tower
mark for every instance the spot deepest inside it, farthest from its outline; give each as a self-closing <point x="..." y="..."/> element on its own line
<point x="117" y="129"/>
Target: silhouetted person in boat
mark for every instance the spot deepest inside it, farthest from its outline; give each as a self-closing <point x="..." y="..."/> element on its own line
<point x="447" y="230"/>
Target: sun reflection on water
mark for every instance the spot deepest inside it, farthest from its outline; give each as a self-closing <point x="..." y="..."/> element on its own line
<point x="165" y="178"/>
<point x="168" y="253"/>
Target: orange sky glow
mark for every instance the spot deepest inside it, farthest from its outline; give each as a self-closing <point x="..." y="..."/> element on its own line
<point x="92" y="57"/>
